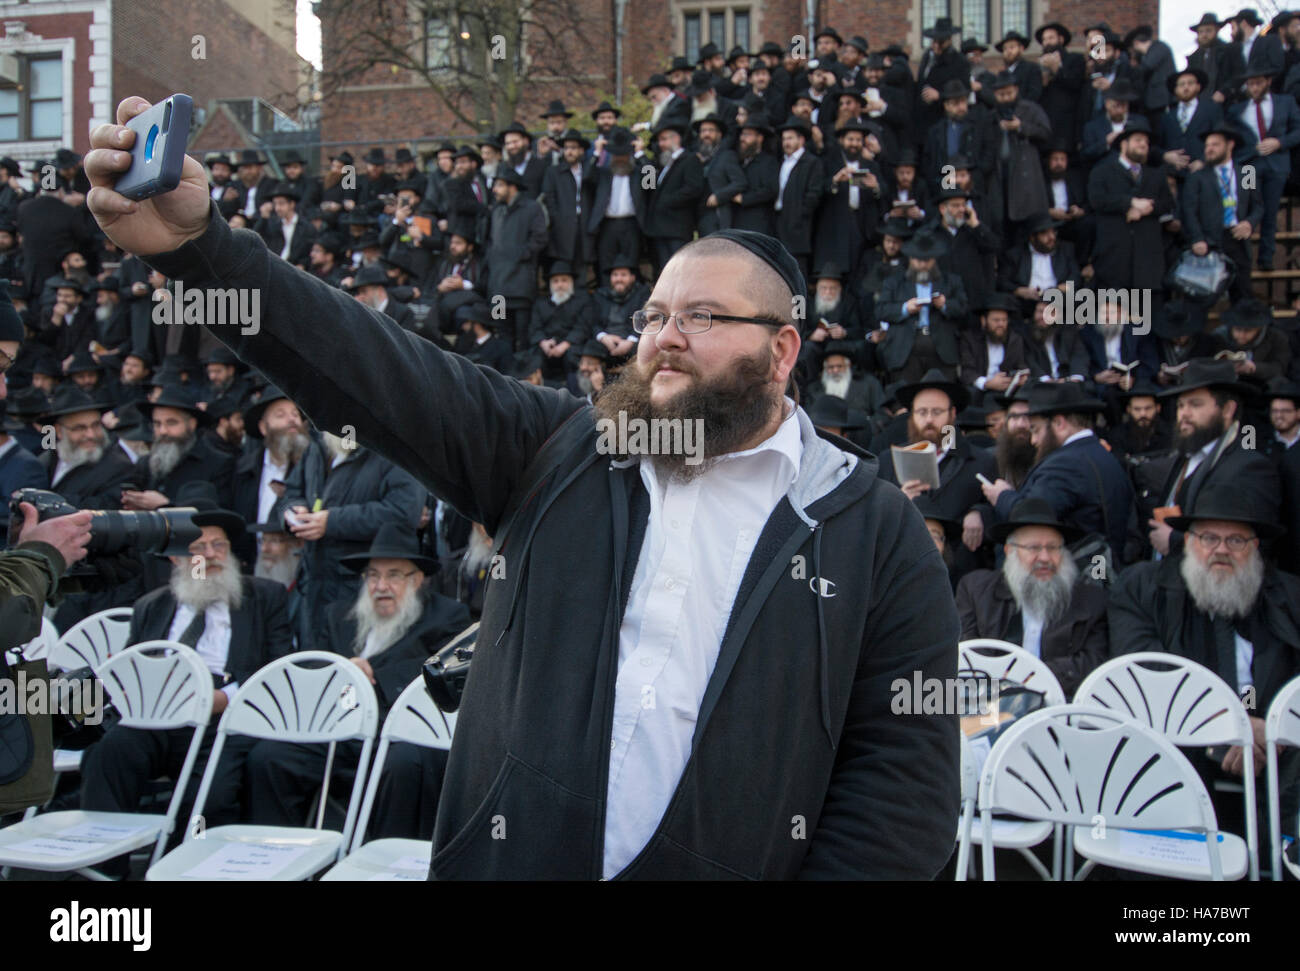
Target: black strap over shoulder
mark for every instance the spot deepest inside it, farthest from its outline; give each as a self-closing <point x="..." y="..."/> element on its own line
<point x="539" y="470"/>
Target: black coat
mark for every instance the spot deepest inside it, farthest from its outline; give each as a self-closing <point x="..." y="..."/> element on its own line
<point x="755" y="212"/>
<point x="1210" y="60"/>
<point x="1202" y="206"/>
<point x="959" y="490"/>
<point x="202" y="463"/>
<point x="573" y="321"/>
<point x="1060" y="96"/>
<point x="1071" y="355"/>
<point x="1016" y="267"/>
<point x="304" y="234"/>
<point x="724" y="178"/>
<point x="495" y="352"/>
<point x="977" y="142"/>
<point x="398" y="665"/>
<point x="516" y="240"/>
<point x="1171" y="135"/>
<point x="827" y="745"/>
<point x="1071" y="647"/>
<point x="895" y="349"/>
<point x="971" y="254"/>
<point x="799" y="203"/>
<point x="975" y="355"/>
<point x="1129" y="254"/>
<point x="567" y="205"/>
<point x="259" y="626"/>
<point x="97" y="486"/>
<point x="670" y="206"/>
<point x="614" y="313"/>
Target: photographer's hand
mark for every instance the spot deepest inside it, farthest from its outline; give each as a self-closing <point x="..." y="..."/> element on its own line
<point x="67" y="534"/>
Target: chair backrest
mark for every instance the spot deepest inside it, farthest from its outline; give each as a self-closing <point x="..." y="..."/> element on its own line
<point x="1073" y="763"/>
<point x="1010" y="662"/>
<point x="1282" y="724"/>
<point x="414" y="718"/>
<point x="1186" y="702"/>
<point x="90" y="642"/>
<point x="40" y="645"/>
<point x="158" y="685"/>
<point x="311" y="696"/>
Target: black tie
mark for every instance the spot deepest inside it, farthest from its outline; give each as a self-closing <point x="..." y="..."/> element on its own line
<point x="191" y="634"/>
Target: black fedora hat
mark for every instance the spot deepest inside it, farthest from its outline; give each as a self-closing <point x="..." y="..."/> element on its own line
<point x="669" y="124"/>
<point x="931" y="510"/>
<point x="942" y="29"/>
<point x="953" y="89"/>
<point x="1226" y="131"/>
<point x="925" y="246"/>
<point x="621" y="141"/>
<point x="828" y="411"/>
<point x="291" y="157"/>
<point x="28" y="403"/>
<point x="1247" y="314"/>
<point x="1012" y="35"/>
<point x="1228" y="502"/>
<point x="1172" y="81"/>
<point x="218" y="158"/>
<point x="180" y="397"/>
<point x="70" y="400"/>
<point x="756" y="122"/>
<point x="369" y="276"/>
<point x="933" y="380"/>
<point x="249" y="156"/>
<point x="736" y="53"/>
<point x="896" y="227"/>
<point x="202" y="496"/>
<point x="572" y="135"/>
<point x="829" y="32"/>
<point x="1041" y="222"/>
<point x="1136" y="125"/>
<point x="556" y="107"/>
<point x="476" y="311"/>
<point x="509" y="176"/>
<point x="656" y="81"/>
<point x="1064" y="398"/>
<point x="344" y="157"/>
<point x="605" y="106"/>
<point x="131" y="426"/>
<point x="1005" y="79"/>
<point x="712" y="118"/>
<point x="1142" y="388"/>
<point x="952" y="192"/>
<point x="795" y="123"/>
<point x="773" y="48"/>
<point x="254" y="412"/>
<point x="972" y="418"/>
<point x="1057" y="26"/>
<point x="854" y="124"/>
<point x="1001" y="301"/>
<point x="701" y="83"/>
<point x="594" y="348"/>
<point x="375" y="156"/>
<point x="858" y="43"/>
<point x="1280" y="387"/>
<point x="286" y="189"/>
<point x="970" y="44"/>
<point x="708" y="51"/>
<point x="1248" y="14"/>
<point x="1033" y="512"/>
<point x="392" y="542"/>
<point x="465" y="151"/>
<point x="1214" y="375"/>
<point x="1121" y="90"/>
<point x="1179" y="319"/>
<point x="680" y="63"/>
<point x="1207" y="20"/>
<point x="81" y="362"/>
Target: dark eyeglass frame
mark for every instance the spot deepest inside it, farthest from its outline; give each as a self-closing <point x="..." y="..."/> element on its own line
<point x="1234" y="543"/>
<point x="639" y="320"/>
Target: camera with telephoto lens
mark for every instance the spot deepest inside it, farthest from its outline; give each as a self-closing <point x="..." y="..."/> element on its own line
<point x="445" y="672"/>
<point x="167" y="532"/>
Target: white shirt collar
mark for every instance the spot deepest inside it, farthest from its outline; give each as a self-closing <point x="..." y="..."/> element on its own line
<point x="1078" y="435"/>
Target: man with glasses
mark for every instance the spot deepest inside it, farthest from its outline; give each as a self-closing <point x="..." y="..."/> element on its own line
<point x="388" y="630"/>
<point x="237" y="624"/>
<point x="685" y="670"/>
<point x="1038" y="599"/>
<point x="1222" y="604"/>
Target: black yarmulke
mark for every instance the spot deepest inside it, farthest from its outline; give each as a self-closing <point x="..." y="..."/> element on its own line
<point x="772" y="252"/>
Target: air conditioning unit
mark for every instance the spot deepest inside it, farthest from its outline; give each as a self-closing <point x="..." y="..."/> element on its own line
<point x="9" y="68"/>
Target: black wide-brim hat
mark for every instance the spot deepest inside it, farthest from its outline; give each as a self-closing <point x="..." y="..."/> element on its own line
<point x="930" y="509"/>
<point x="392" y="542"/>
<point x="925" y="246"/>
<point x="254" y="412"/>
<point x="1229" y="502"/>
<point x="1172" y="81"/>
<point x="177" y="396"/>
<point x="1033" y="512"/>
<point x="1012" y="35"/>
<point x="369" y="276"/>
<point x="832" y="412"/>
<point x="933" y="379"/>
<point x="1179" y="319"/>
<point x="1064" y="398"/>
<point x="1211" y="374"/>
<point x="943" y="27"/>
<point x="69" y="400"/>
<point x="1060" y="28"/>
<point x="202" y="496"/>
<point x="509" y="176"/>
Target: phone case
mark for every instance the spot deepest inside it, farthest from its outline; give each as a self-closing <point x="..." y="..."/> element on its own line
<point x="161" y="134"/>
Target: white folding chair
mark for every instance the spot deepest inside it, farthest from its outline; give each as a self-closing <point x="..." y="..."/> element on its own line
<point x="156" y="685"/>
<point x="1004" y="661"/>
<point x="1010" y="662"/>
<point x="312" y="697"/>
<point x="414" y="718"/>
<point x="969" y="792"/>
<point x="40" y="645"/>
<point x="1281" y="727"/>
<point x="1132" y="798"/>
<point x="1187" y="703"/>
<point x="90" y="642"/>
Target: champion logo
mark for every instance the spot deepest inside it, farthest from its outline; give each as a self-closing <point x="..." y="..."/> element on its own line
<point x="822" y="587"/>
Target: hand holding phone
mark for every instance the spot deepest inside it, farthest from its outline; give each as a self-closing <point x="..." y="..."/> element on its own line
<point x="158" y="154"/>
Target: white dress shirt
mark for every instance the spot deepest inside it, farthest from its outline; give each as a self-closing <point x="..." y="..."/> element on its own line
<point x="698" y="541"/>
<point x="1041" y="275"/>
<point x="787" y="166"/>
<point x="266" y="497"/>
<point x="1060" y="194"/>
<point x="214" y="643"/>
<point x="997" y="354"/>
<point x="1245" y="660"/>
<point x="61" y="468"/>
<point x="620" y="198"/>
<point x="1032" y="640"/>
<point x="287" y="228"/>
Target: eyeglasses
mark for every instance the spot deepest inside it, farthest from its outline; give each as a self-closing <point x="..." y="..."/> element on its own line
<point x="930" y="412"/>
<point x="1051" y="549"/>
<point x="690" y="321"/>
<point x="219" y="547"/>
<point x="1236" y="542"/>
<point x="392" y="577"/>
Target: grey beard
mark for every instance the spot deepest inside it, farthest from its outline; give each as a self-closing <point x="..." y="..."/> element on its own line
<point x="286" y="445"/>
<point x="954" y="222"/>
<point x="837" y="386"/>
<point x="1048" y="599"/>
<point x="706" y="150"/>
<point x="387" y="630"/>
<point x="103" y="313"/>
<point x="334" y="445"/>
<point x="919" y="276"/>
<point x="585" y="384"/>
<point x="77" y="457"/>
<point x="1217" y="596"/>
<point x="822" y="307"/>
<point x="561" y="297"/>
<point x="478" y="554"/>
<point x="165" y="456"/>
<point x="217" y="586"/>
<point x="665" y="158"/>
<point x="282" y="571"/>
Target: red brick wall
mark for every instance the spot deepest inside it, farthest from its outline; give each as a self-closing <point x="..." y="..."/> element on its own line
<point x="76" y="26"/>
<point x="152" y="54"/>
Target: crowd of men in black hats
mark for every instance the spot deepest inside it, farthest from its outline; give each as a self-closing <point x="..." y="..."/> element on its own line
<point x="989" y="262"/>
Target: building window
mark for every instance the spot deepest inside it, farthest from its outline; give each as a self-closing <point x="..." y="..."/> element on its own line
<point x="725" y="26"/>
<point x="33" y="108"/>
<point x="439" y="49"/>
<point x="975" y="20"/>
<point x="1015" y="16"/>
<point x="979" y="18"/>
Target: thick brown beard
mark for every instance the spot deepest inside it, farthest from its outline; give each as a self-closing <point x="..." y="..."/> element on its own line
<point x="734" y="407"/>
<point x="1015" y="458"/>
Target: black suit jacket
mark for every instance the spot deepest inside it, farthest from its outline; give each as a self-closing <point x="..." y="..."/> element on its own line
<point x="259" y="627"/>
<point x="975" y="355"/>
<point x="1060" y="96"/>
<point x="1071" y="355"/>
<point x="1129" y="254"/>
<point x="724" y="178"/>
<point x="202" y="463"/>
<point x="959" y="490"/>
<point x="799" y="202"/>
<point x="901" y="336"/>
<point x="563" y="198"/>
<point x="1202" y="206"/>
<point x="1171" y="135"/>
<point x="49" y="228"/>
<point x="762" y="177"/>
<point x="1071" y="647"/>
<point x="97" y="486"/>
<point x="304" y="234"/>
<point x="399" y="665"/>
<point x="670" y="206"/>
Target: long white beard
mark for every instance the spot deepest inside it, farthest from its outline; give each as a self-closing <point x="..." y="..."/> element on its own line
<point x="216" y="586"/>
<point x="286" y="445"/>
<point x="283" y="572"/>
<point x="822" y="307"/>
<point x="335" y="446"/>
<point x="165" y="456"/>
<point x="561" y="297"/>
<point x="1047" y="599"/>
<point x="837" y="386"/>
<point x="103" y="313"/>
<point x="478" y="554"/>
<point x="1219" y="596"/>
<point x="77" y="457"/>
<point x="387" y="630"/>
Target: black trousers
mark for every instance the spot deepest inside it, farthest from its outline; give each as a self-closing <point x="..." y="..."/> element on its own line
<point x="284" y="778"/>
<point x="616" y="238"/>
<point x="665" y="247"/>
<point x="518" y="319"/>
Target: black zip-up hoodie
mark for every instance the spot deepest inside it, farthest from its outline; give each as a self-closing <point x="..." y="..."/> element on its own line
<point x="798" y="766"/>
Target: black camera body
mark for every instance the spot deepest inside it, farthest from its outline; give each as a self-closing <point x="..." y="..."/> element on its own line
<point x="445" y="672"/>
<point x="166" y="532"/>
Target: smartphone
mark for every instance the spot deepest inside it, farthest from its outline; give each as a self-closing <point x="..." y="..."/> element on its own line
<point x="158" y="156"/>
<point x="923" y="301"/>
<point x="983" y="478"/>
